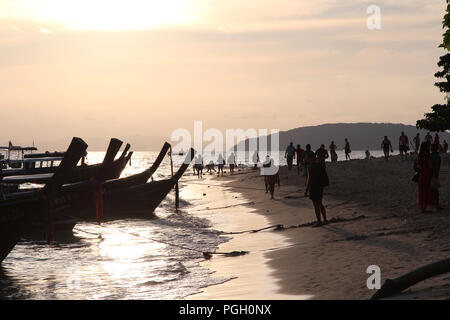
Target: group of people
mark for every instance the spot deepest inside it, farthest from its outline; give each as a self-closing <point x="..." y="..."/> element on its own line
<point x="210" y="166"/>
<point x="304" y="157"/>
<point x="427" y="167"/>
<point x="403" y="145"/>
<point x="312" y="164"/>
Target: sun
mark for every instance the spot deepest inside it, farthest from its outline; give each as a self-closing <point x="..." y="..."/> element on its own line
<point x="107" y="15"/>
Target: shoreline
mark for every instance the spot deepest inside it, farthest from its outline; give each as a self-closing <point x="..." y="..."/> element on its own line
<point x="377" y="224"/>
<point x="230" y="212"/>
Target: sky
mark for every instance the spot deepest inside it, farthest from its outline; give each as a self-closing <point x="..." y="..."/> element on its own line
<point x="144" y="67"/>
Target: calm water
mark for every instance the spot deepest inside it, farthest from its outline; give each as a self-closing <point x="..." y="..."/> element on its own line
<point x="120" y="259"/>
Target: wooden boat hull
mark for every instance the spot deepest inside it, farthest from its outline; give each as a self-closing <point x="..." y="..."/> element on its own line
<point x="12" y="222"/>
<point x="79" y="201"/>
<point x="138" y="201"/>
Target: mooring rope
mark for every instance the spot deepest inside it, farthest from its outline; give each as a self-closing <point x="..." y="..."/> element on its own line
<point x="223" y="186"/>
<point x="280" y="227"/>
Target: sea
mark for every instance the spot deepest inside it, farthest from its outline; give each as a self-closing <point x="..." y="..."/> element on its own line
<point x="157" y="258"/>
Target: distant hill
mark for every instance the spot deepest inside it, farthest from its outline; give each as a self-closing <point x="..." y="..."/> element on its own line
<point x="361" y="136"/>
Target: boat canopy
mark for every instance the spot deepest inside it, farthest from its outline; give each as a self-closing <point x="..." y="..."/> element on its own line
<point x="34" y="178"/>
<point x="35" y="160"/>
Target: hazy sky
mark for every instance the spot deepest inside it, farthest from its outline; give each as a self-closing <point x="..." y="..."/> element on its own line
<point x="144" y="67"/>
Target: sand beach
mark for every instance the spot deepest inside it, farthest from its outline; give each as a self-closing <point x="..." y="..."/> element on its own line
<point x="374" y="220"/>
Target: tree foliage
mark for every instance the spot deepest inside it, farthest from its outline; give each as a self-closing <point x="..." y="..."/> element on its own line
<point x="439" y="117"/>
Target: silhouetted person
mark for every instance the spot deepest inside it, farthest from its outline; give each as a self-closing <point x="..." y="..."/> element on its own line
<point x="322" y="154"/>
<point x="347" y="149"/>
<point x="403" y="146"/>
<point x="255" y="160"/>
<point x="298" y="154"/>
<point x="198" y="165"/>
<point x="210" y="167"/>
<point x="417" y="143"/>
<point x="220" y="164"/>
<point x="386" y="145"/>
<point x="367" y="154"/>
<point x="289" y="155"/>
<point x="429" y="139"/>
<point x="444" y="146"/>
<point x="436" y="140"/>
<point x="316" y="182"/>
<point x="270" y="179"/>
<point x="231" y="162"/>
<point x="307" y="157"/>
<point x="334" y="156"/>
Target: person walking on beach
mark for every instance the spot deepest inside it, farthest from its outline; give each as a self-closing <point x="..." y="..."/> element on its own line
<point x="316" y="182"/>
<point x="429" y="139"/>
<point x="198" y="165"/>
<point x="435" y="160"/>
<point x="444" y="147"/>
<point x="231" y="162"/>
<point x="333" y="153"/>
<point x="426" y="196"/>
<point x="255" y="160"/>
<point x="289" y="155"/>
<point x="367" y="154"/>
<point x="220" y="164"/>
<point x="270" y="179"/>
<point x="322" y="154"/>
<point x="210" y="167"/>
<point x="386" y="145"/>
<point x="347" y="149"/>
<point x="403" y="146"/>
<point x="298" y="154"/>
<point x="307" y="157"/>
<point x="436" y="140"/>
<point x="417" y="143"/>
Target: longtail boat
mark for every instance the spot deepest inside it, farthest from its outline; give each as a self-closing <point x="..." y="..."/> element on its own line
<point x="120" y="198"/>
<point x="99" y="171"/>
<point x="15" y="213"/>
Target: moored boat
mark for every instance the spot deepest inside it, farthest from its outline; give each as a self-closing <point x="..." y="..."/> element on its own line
<point x="40" y="170"/>
<point x="15" y="212"/>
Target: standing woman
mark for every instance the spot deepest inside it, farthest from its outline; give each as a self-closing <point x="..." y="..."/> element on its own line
<point x="347" y="149"/>
<point x="424" y="165"/>
<point x="333" y="153"/>
<point x="317" y="180"/>
<point x="386" y="145"/>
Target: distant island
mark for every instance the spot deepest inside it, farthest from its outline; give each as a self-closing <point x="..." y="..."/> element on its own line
<point x="362" y="136"/>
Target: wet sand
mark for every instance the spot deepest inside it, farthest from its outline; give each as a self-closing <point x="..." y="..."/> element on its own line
<point x="377" y="222"/>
